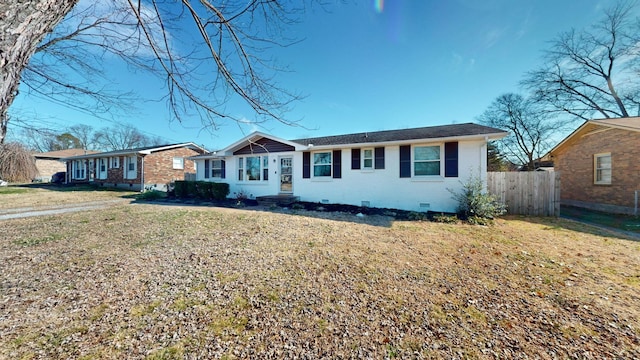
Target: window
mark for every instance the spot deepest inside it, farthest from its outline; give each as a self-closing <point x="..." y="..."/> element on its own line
<point x="602" y="168"/>
<point x="322" y="164"/>
<point x="103" y="165"/>
<point x="115" y="162"/>
<point x="79" y="169"/>
<point x="216" y="168"/>
<point x="130" y="171"/>
<point x="367" y="159"/>
<point x="426" y="160"/>
<point x="265" y="168"/>
<point x="253" y="168"/>
<point x="178" y="163"/>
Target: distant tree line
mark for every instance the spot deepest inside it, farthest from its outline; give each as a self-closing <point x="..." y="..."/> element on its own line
<point x="83" y="136"/>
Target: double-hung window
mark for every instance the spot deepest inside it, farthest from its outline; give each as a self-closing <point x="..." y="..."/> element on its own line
<point x="79" y="169"/>
<point x="178" y="163"/>
<point x="602" y="169"/>
<point x="322" y="164"/>
<point x="252" y="168"/>
<point x="115" y="162"/>
<point x="426" y="160"/>
<point x="216" y="168"/>
<point x="367" y="159"/>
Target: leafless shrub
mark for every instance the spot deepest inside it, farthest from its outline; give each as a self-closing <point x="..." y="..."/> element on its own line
<point x="16" y="163"/>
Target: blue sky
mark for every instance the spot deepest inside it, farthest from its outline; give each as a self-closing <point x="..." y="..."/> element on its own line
<point x="370" y="65"/>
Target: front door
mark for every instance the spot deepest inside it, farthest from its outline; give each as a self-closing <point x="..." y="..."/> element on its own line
<point x="286" y="175"/>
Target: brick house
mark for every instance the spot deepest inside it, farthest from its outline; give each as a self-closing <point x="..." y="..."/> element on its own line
<point x="151" y="167"/>
<point x="600" y="166"/>
<point x="48" y="163"/>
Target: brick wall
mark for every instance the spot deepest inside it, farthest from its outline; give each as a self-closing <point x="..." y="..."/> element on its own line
<point x="47" y="167"/>
<point x="158" y="166"/>
<point x="575" y="161"/>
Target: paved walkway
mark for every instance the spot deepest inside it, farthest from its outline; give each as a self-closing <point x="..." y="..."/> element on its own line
<point x="16" y="213"/>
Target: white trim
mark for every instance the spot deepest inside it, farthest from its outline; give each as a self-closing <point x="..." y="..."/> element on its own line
<point x="595" y="168"/>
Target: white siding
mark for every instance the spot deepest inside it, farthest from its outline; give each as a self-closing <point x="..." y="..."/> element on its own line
<point x="379" y="187"/>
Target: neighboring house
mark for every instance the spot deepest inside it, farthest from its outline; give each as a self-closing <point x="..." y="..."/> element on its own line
<point x="150" y="167"/>
<point x="48" y="163"/>
<point x="599" y="165"/>
<point x="409" y="169"/>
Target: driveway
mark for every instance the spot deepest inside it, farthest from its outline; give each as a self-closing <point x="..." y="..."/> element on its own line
<point x="16" y="213"/>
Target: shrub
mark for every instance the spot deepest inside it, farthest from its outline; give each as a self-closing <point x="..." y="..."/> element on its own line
<point x="203" y="190"/>
<point x="219" y="191"/>
<point x="475" y="202"/>
<point x="416" y="216"/>
<point x="180" y="188"/>
<point x="151" y="195"/>
<point x="445" y="218"/>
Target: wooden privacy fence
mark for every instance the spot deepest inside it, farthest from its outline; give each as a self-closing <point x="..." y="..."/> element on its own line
<point x="527" y="193"/>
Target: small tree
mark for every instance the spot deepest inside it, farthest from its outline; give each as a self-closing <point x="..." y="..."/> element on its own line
<point x="16" y="163"/>
<point x="474" y="202"/>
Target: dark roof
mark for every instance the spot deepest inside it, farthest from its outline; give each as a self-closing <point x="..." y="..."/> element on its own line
<point x="431" y="132"/>
<point x="59" y="154"/>
<point x="133" y="150"/>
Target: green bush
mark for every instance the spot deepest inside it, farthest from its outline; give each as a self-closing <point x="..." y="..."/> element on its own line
<point x="474" y="202"/>
<point x="180" y="188"/>
<point x="201" y="189"/>
<point x="219" y="191"/>
<point x="151" y="195"/>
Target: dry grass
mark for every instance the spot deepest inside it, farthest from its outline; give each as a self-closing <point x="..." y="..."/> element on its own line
<point x="49" y="196"/>
<point x="162" y="282"/>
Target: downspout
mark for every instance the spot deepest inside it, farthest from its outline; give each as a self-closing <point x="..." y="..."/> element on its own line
<point x="142" y="173"/>
<point x="483" y="161"/>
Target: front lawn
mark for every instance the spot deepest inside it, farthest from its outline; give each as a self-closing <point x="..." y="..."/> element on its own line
<point x="166" y="281"/>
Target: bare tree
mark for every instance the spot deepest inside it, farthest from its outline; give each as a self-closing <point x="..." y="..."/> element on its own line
<point x="530" y="128"/>
<point x="123" y="137"/>
<point x="226" y="58"/>
<point x="84" y="134"/>
<point x="46" y="140"/>
<point x="592" y="73"/>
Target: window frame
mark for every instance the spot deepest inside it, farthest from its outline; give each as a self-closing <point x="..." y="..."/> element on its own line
<point x="597" y="171"/>
<point x="79" y="170"/>
<point x="440" y="161"/>
<point x="243" y="169"/>
<point x="214" y="168"/>
<point x="329" y="165"/>
<point x="180" y="165"/>
<point x="114" y="162"/>
<point x="364" y="158"/>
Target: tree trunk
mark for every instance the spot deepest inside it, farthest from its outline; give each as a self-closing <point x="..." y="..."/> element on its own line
<point x="23" y="25"/>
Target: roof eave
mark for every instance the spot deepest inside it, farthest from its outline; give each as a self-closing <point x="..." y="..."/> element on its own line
<point x="490" y="136"/>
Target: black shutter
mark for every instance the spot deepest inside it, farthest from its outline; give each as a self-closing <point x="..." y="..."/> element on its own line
<point x="306" y="165"/>
<point x="337" y="164"/>
<point x="207" y="172"/>
<point x="223" y="169"/>
<point x="379" y="154"/>
<point x="405" y="161"/>
<point x="451" y="159"/>
<point x="355" y="159"/>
